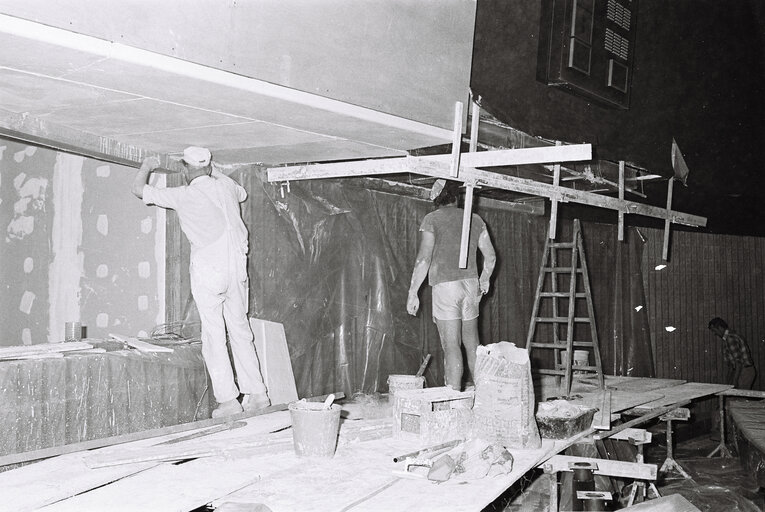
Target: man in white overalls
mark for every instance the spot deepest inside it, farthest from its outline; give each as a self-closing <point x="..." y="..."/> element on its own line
<point x="210" y="217"/>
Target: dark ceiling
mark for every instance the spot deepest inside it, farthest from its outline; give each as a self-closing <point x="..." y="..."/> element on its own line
<point x="699" y="77"/>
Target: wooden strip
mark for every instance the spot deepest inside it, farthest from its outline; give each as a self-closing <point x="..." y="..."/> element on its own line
<point x="642" y="419"/>
<point x="456" y="139"/>
<point x="620" y="235"/>
<point x="665" y="246"/>
<point x="602" y="419"/>
<point x="143" y="346"/>
<point x="606" y="467"/>
<point x="467" y="215"/>
<point x="42" y="348"/>
<point x="553" y="229"/>
<point x="436" y="163"/>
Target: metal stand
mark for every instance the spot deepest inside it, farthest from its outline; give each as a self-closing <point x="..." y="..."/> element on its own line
<point x="670" y="463"/>
<point x="722" y="448"/>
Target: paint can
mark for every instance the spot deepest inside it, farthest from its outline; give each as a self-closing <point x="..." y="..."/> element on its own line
<point x="581" y="358"/>
<point x="314" y="428"/>
<point x="403" y="382"/>
<point x="72" y="331"/>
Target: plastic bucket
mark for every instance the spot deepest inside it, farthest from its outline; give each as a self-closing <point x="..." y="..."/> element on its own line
<point x="314" y="428"/>
<point x="402" y="382"/>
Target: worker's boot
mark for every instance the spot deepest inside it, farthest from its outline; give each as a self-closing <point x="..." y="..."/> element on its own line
<point x="227" y="409"/>
<point x="252" y="403"/>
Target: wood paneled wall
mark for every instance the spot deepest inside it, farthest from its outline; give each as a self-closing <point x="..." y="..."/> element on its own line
<point x="708" y="275"/>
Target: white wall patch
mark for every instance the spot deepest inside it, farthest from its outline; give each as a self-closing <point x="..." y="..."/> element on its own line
<point x="103" y="171"/>
<point x="102" y="224"/>
<point x="26" y="336"/>
<point x="143" y="303"/>
<point x="144" y="269"/>
<point x="102" y="320"/>
<point x="102" y="270"/>
<point x="25" y="306"/>
<point x="146" y="225"/>
<point x="29" y="265"/>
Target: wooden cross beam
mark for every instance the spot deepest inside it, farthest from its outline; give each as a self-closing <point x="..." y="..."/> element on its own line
<point x="439" y="167"/>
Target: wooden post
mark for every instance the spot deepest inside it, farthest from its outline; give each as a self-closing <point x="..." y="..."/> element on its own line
<point x="621" y="196"/>
<point x="467" y="214"/>
<point x="554" y="202"/>
<point x="456" y="139"/>
<point x="665" y="247"/>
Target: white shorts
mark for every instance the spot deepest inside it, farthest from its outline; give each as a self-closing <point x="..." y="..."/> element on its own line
<point x="456" y="300"/>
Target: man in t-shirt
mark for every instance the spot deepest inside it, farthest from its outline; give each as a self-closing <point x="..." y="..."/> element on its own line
<point x="741" y="371"/>
<point x="209" y="214"/>
<point x="456" y="292"/>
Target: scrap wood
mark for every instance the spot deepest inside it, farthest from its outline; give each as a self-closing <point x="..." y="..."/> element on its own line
<point x="142" y="346"/>
<point x="605" y="467"/>
<point x="642" y="419"/>
<point x="42" y="348"/>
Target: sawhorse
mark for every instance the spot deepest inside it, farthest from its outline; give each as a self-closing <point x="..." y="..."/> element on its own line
<point x="743" y="393"/>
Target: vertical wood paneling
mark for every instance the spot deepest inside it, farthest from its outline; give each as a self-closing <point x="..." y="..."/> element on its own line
<point x="708" y="275"/>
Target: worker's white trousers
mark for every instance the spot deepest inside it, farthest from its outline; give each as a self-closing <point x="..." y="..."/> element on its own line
<point x="220" y="289"/>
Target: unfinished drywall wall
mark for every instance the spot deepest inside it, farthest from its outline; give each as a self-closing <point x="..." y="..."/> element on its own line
<point x="78" y="246"/>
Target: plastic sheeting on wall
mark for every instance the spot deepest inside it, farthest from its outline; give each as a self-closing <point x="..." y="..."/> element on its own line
<point x="51" y="402"/>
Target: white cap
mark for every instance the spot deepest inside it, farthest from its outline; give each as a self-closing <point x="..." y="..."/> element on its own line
<point x="196" y="156"/>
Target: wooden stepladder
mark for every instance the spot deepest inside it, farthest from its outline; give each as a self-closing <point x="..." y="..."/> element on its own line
<point x="563" y="298"/>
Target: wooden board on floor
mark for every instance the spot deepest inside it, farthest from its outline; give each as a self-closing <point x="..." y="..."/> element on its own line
<point x="671" y="503"/>
<point x="275" y="363"/>
<point x="166" y="487"/>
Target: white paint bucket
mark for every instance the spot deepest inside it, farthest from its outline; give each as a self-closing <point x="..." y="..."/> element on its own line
<point x="314" y="428"/>
<point x="398" y="383"/>
<point x="72" y="331"/>
<point x="581" y="358"/>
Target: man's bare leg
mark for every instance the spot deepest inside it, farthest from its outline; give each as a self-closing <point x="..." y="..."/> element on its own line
<point x="450" y="332"/>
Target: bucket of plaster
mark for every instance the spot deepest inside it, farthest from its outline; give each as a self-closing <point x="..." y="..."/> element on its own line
<point x="314" y="428"/>
<point x="398" y="383"/>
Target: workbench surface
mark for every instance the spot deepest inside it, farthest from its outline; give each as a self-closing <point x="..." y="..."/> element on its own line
<point x="255" y="463"/>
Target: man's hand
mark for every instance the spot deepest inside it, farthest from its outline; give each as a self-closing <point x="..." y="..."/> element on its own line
<point x="484" y="285"/>
<point x="150" y="163"/>
<point x="413" y="304"/>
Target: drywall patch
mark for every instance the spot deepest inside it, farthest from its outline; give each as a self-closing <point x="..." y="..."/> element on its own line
<point x="66" y="268"/>
<point x="146" y="225"/>
<point x="26" y="336"/>
<point x="103" y="171"/>
<point x="144" y="269"/>
<point x="102" y="270"/>
<point x="30" y="204"/>
<point x="143" y="303"/>
<point x="27" y="300"/>
<point x="102" y="224"/>
<point x="102" y="320"/>
<point x="2" y="151"/>
<point x="29" y="265"/>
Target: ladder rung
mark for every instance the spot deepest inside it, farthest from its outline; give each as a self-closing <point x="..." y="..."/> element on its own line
<point x="548" y="371"/>
<point x="561" y="345"/>
<point x="562" y="294"/>
<point x="536" y="344"/>
<point x="578" y="368"/>
<point x="560" y="319"/>
<point x="563" y="245"/>
<point x="561" y="269"/>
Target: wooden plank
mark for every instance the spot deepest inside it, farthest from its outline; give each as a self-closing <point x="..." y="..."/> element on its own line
<point x="456" y="139"/>
<point x="435" y="163"/>
<point x="606" y="467"/>
<point x="553" y="229"/>
<point x="655" y="413"/>
<point x="602" y="419"/>
<point x="275" y="363"/>
<point x="634" y="434"/>
<point x="17" y="352"/>
<point x="671" y="503"/>
<point x="143" y="346"/>
<point x="620" y="235"/>
<point x="683" y="392"/>
<point x="167" y="487"/>
<point x="665" y="246"/>
<point x="467" y="216"/>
